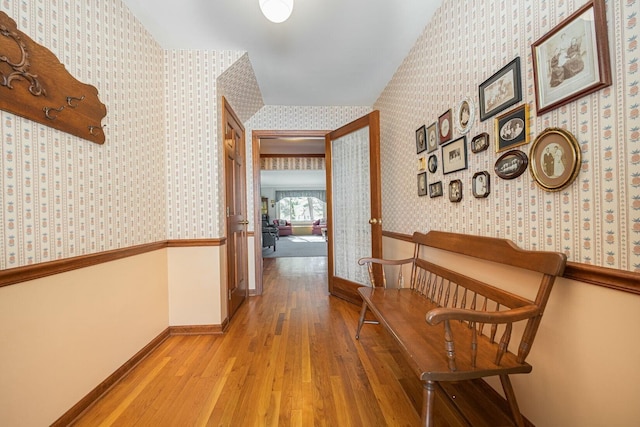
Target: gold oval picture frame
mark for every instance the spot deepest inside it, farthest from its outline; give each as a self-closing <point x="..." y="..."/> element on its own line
<point x="555" y="159"/>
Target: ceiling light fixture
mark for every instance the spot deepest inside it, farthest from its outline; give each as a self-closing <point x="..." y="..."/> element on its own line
<point x="276" y="10"/>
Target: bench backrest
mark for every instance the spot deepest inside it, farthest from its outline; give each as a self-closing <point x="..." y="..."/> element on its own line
<point x="454" y="289"/>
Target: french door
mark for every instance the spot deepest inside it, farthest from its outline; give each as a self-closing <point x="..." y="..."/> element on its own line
<point x="354" y="205"/>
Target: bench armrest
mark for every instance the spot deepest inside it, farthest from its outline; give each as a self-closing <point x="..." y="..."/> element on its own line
<point x="363" y="261"/>
<point x="441" y="314"/>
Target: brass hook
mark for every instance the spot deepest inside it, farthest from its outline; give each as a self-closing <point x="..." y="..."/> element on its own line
<point x="91" y="128"/>
<point x="70" y="100"/>
<point x="47" y="111"/>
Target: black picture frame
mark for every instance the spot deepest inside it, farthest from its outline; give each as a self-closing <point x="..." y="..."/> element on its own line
<point x="480" y="142"/>
<point x="501" y="90"/>
<point x="422" y="184"/>
<point x="512" y="128"/>
<point x="421" y="139"/>
<point x="455" y="191"/>
<point x="432" y="163"/>
<point x="454" y="155"/>
<point x="481" y="184"/>
<point x="435" y="189"/>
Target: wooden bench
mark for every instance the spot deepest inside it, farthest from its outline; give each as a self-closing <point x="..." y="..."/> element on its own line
<point x="451" y="326"/>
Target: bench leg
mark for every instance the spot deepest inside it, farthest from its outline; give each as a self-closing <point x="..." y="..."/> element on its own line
<point x="428" y="398"/>
<point x="511" y="398"/>
<point x="363" y="311"/>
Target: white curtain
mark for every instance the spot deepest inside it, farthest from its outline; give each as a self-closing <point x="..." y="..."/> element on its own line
<point x="351" y="205"/>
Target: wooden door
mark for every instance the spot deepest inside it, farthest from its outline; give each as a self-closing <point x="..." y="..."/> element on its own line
<point x="236" y="208"/>
<point x="354" y="205"/>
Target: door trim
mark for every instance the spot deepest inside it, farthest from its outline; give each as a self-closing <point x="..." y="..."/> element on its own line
<point x="256" y="136"/>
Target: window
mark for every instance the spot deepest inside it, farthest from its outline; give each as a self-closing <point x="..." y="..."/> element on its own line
<point x="301" y="208"/>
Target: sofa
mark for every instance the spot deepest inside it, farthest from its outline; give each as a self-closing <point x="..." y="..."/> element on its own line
<point x="318" y="225"/>
<point x="284" y="227"/>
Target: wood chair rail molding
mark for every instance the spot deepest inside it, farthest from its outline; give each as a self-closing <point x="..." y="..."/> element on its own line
<point x="16" y="275"/>
<point x="35" y="85"/>
<point x="621" y="280"/>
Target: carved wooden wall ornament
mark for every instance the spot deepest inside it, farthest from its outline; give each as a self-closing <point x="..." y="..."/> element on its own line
<point x="35" y="85"/>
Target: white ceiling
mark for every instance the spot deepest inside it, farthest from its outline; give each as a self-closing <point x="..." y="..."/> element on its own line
<point x="329" y="52"/>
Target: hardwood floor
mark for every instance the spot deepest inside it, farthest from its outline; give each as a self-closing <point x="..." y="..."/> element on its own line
<point x="288" y="358"/>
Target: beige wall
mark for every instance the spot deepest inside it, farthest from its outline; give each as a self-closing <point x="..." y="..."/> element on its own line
<point x="196" y="287"/>
<point x="63" y="335"/>
<point x="585" y="357"/>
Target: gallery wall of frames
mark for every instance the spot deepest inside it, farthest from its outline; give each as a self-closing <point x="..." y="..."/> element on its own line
<point x="520" y="120"/>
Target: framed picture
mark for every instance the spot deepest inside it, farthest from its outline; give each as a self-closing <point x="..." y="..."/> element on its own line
<point x="433" y="163"/>
<point x="455" y="191"/>
<point x="572" y="60"/>
<point x="454" y="156"/>
<point x="555" y="159"/>
<point x="480" y="142"/>
<point x="501" y="91"/>
<point x="465" y="115"/>
<point x="422" y="164"/>
<point x="421" y="139"/>
<point x="512" y="128"/>
<point x="422" y="184"/>
<point x="481" y="184"/>
<point x="445" y="127"/>
<point x="511" y="164"/>
<point x="432" y="137"/>
<point x="435" y="189"/>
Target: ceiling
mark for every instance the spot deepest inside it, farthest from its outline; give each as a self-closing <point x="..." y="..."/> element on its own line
<point x="328" y="53"/>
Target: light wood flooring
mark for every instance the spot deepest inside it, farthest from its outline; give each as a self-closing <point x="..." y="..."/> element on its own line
<point x="289" y="358"/>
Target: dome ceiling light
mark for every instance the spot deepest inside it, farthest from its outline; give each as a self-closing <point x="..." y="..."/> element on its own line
<point x="276" y="10"/>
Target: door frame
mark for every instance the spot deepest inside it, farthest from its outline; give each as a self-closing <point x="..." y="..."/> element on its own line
<point x="256" y="136"/>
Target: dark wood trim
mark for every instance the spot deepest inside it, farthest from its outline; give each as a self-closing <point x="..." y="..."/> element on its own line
<point x="621" y="280"/>
<point x="184" y="243"/>
<point x="25" y="273"/>
<point x="72" y="414"/>
<point x="277" y="134"/>
<point x="199" y="329"/>
<point x="36" y="271"/>
<point x="292" y="156"/>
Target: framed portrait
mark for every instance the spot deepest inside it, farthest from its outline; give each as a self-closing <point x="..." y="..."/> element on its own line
<point x="480" y="142"/>
<point x="572" y="60"/>
<point x="555" y="159"/>
<point x="435" y="189"/>
<point x="422" y="184"/>
<point x="433" y="163"/>
<point x="455" y="191"/>
<point x="511" y="164"/>
<point x="481" y="184"/>
<point x="445" y="127"/>
<point x="512" y="128"/>
<point x="432" y="137"/>
<point x="465" y="115"/>
<point x="501" y="91"/>
<point x="454" y="156"/>
<point x="422" y="164"/>
<point x="421" y="139"/>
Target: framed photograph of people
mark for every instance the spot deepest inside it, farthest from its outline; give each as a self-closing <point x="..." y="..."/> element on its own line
<point x="512" y="128"/>
<point x="480" y="142"/>
<point x="572" y="60"/>
<point x="481" y="184"/>
<point x="501" y="91"/>
<point x="432" y="137"/>
<point x="422" y="184"/>
<point x="435" y="189"/>
<point x="432" y="163"/>
<point x="455" y="191"/>
<point x="421" y="139"/>
<point x="465" y="115"/>
<point x="454" y="156"/>
<point x="555" y="159"/>
<point x="445" y="127"/>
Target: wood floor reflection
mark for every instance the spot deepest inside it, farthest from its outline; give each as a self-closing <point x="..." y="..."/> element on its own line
<point x="288" y="358"/>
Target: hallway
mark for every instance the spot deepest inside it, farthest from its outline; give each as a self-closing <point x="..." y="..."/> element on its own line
<point x="288" y="358"/>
